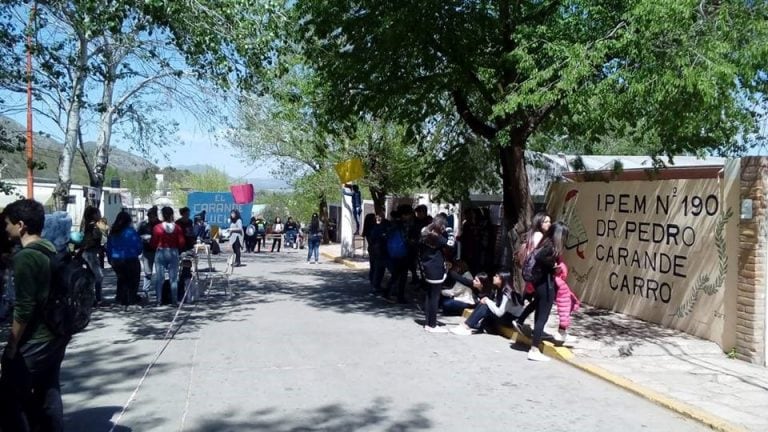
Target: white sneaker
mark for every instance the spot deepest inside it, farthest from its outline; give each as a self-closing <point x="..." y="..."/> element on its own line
<point x="435" y="329"/>
<point x="461" y="330"/>
<point x="563" y="337"/>
<point x="535" y="355"/>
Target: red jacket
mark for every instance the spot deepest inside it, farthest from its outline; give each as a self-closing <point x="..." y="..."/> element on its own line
<point x="167" y="235"/>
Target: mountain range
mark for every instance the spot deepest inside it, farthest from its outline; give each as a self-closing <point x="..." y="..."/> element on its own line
<point x="47" y="151"/>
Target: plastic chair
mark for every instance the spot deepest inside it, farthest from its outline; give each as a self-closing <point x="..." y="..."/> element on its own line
<point x="226" y="274"/>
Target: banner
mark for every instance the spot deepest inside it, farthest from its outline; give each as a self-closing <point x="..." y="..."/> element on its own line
<point x="663" y="251"/>
<point x="217" y="206"/>
<point x="349" y="170"/>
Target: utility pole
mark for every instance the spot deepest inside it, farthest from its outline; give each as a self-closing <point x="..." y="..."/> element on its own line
<point x="30" y="151"/>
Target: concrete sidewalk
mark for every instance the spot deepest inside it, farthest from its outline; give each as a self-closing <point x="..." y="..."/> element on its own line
<point x="688" y="375"/>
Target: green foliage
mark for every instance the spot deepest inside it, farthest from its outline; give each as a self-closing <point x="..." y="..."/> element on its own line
<point x="684" y="75"/>
<point x="183" y="182"/>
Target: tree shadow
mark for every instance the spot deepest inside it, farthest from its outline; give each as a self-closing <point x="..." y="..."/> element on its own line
<point x="378" y="415"/>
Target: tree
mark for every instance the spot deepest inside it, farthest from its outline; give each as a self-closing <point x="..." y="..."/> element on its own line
<point x="688" y="70"/>
<point x="210" y="180"/>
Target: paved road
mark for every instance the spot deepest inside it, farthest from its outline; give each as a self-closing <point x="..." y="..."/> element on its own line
<point x="305" y="348"/>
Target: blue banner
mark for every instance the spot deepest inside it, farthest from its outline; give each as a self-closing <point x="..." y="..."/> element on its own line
<point x="217" y="206"/>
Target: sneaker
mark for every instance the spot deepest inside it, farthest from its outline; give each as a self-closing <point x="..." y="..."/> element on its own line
<point x="461" y="330"/>
<point x="565" y="338"/>
<point x="435" y="329"/>
<point x="535" y="355"/>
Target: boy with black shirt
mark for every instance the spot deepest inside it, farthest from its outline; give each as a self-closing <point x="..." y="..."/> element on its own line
<point x="30" y="394"/>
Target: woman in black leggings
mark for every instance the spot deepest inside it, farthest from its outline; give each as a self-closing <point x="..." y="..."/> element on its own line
<point x="547" y="255"/>
<point x="434" y="237"/>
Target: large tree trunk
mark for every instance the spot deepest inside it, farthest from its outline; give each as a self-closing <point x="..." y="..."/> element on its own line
<point x="104" y="138"/>
<point x="518" y="206"/>
<point x="71" y="135"/>
<point x="379" y="200"/>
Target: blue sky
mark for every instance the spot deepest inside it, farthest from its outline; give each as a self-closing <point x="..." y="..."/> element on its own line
<point x="197" y="146"/>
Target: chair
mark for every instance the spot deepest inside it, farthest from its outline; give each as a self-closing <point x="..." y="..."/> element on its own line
<point x="226" y="274"/>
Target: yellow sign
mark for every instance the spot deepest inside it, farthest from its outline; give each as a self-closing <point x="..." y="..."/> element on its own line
<point x="349" y="170"/>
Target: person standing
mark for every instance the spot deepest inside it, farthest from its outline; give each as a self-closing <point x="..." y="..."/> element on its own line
<point x="434" y="238"/>
<point x="92" y="247"/>
<point x="148" y="251"/>
<point x="236" y="234"/>
<point x="123" y="250"/>
<point x="315" y="234"/>
<point x="167" y="239"/>
<point x="250" y="235"/>
<point x="30" y="391"/>
<point x="548" y="253"/>
<point x="187" y="227"/>
<point x="357" y="203"/>
<point x="277" y="230"/>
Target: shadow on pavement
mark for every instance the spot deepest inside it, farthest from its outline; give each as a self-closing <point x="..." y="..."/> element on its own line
<point x="93" y="419"/>
<point x="335" y="417"/>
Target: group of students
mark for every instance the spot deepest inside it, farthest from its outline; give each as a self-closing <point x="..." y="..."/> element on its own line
<point x="412" y="237"/>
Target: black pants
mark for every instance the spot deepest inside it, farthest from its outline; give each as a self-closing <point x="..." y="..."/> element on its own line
<point x="128" y="272"/>
<point x="398" y="268"/>
<point x="250" y="243"/>
<point x="544" y="298"/>
<point x="30" y="393"/>
<point x="529" y="308"/>
<point x="278" y="242"/>
<point x="236" y="249"/>
<point x="431" y="302"/>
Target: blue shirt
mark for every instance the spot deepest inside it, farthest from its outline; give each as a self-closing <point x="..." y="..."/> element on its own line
<point x="125" y="245"/>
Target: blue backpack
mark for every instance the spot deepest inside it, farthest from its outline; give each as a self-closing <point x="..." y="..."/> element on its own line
<point x="396" y="247"/>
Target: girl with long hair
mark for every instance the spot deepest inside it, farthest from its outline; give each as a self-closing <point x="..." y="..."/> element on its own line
<point x="507" y="304"/>
<point x="315" y="232"/>
<point x="277" y="228"/>
<point x="123" y="249"/>
<point x="434" y="238"/>
<point x="540" y="224"/>
<point x="236" y="234"/>
<point x="548" y="255"/>
<point x="91" y="246"/>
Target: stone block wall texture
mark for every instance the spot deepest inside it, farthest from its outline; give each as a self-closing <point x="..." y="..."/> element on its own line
<point x="753" y="247"/>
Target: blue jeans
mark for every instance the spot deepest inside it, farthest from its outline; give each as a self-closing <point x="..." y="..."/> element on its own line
<point x="167" y="259"/>
<point x="314" y="248"/>
<point x="454" y="307"/>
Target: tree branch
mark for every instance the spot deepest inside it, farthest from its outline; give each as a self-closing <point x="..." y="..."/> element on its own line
<point x="474" y="123"/>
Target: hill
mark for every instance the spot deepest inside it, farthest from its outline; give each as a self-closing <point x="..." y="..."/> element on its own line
<point x="47" y="151"/>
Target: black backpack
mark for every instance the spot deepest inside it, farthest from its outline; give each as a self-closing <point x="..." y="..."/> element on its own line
<point x="531" y="272"/>
<point x="71" y="293"/>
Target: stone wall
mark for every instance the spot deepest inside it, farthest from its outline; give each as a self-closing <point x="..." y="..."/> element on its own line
<point x="753" y="248"/>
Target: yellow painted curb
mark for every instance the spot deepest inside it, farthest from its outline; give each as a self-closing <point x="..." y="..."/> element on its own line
<point x="682" y="408"/>
<point x="548" y="348"/>
<point x="340" y="260"/>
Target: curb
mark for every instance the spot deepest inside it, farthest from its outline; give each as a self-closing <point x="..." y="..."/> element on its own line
<point x="566" y="355"/>
<point x="341" y="260"/>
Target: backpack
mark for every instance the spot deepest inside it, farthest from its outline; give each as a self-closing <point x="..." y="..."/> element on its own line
<point x="71" y="294"/>
<point x="531" y="273"/>
<point x="261" y="228"/>
<point x="396" y="247"/>
<point x="250" y="231"/>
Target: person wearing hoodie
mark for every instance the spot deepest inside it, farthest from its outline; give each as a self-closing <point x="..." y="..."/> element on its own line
<point x="123" y="250"/>
<point x="30" y="390"/>
<point x="434" y="238"/>
<point x="167" y="239"/>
